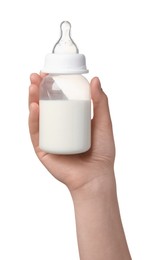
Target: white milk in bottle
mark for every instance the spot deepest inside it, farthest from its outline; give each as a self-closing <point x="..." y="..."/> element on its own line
<point x="65" y="102"/>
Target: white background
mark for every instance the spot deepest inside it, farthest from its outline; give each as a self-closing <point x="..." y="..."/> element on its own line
<point x="117" y="37"/>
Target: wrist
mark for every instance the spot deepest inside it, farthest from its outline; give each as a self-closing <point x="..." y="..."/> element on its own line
<point x="96" y="188"/>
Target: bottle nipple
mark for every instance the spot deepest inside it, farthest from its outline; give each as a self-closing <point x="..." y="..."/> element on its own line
<point x="65" y="44"/>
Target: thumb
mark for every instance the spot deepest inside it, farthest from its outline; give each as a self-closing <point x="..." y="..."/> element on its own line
<point x="100" y="102"/>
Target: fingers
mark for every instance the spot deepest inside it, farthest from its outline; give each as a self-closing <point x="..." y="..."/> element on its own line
<point x="33" y="94"/>
<point x="34" y="123"/>
<point x="34" y="88"/>
<point x="42" y="74"/>
<point x="35" y="79"/>
<point x="100" y="102"/>
<point x="34" y="108"/>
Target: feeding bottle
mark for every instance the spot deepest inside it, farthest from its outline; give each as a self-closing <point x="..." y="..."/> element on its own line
<point x="65" y="102"/>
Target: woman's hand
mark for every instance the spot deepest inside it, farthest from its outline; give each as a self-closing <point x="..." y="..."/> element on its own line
<point x="75" y="171"/>
<point x="90" y="179"/>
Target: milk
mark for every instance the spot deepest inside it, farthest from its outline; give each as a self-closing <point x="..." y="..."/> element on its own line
<point x="65" y="126"/>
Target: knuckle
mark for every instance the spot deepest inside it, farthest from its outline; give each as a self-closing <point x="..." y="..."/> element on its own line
<point x="105" y="97"/>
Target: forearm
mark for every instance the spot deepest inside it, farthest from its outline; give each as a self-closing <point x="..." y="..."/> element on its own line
<point x="99" y="228"/>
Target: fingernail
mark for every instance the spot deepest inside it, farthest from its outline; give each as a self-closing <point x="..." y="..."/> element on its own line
<point x="99" y="84"/>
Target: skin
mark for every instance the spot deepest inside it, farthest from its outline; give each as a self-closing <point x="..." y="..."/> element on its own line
<point x="89" y="178"/>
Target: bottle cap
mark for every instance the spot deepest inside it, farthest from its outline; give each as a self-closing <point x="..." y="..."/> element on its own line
<point x="65" y="58"/>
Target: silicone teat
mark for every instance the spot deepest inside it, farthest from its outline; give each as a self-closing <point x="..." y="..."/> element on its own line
<point x="65" y="44"/>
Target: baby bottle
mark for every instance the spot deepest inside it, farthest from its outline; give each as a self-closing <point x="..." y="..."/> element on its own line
<point x="65" y="102"/>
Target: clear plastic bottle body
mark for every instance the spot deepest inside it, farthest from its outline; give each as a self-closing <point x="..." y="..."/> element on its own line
<point x="65" y="114"/>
